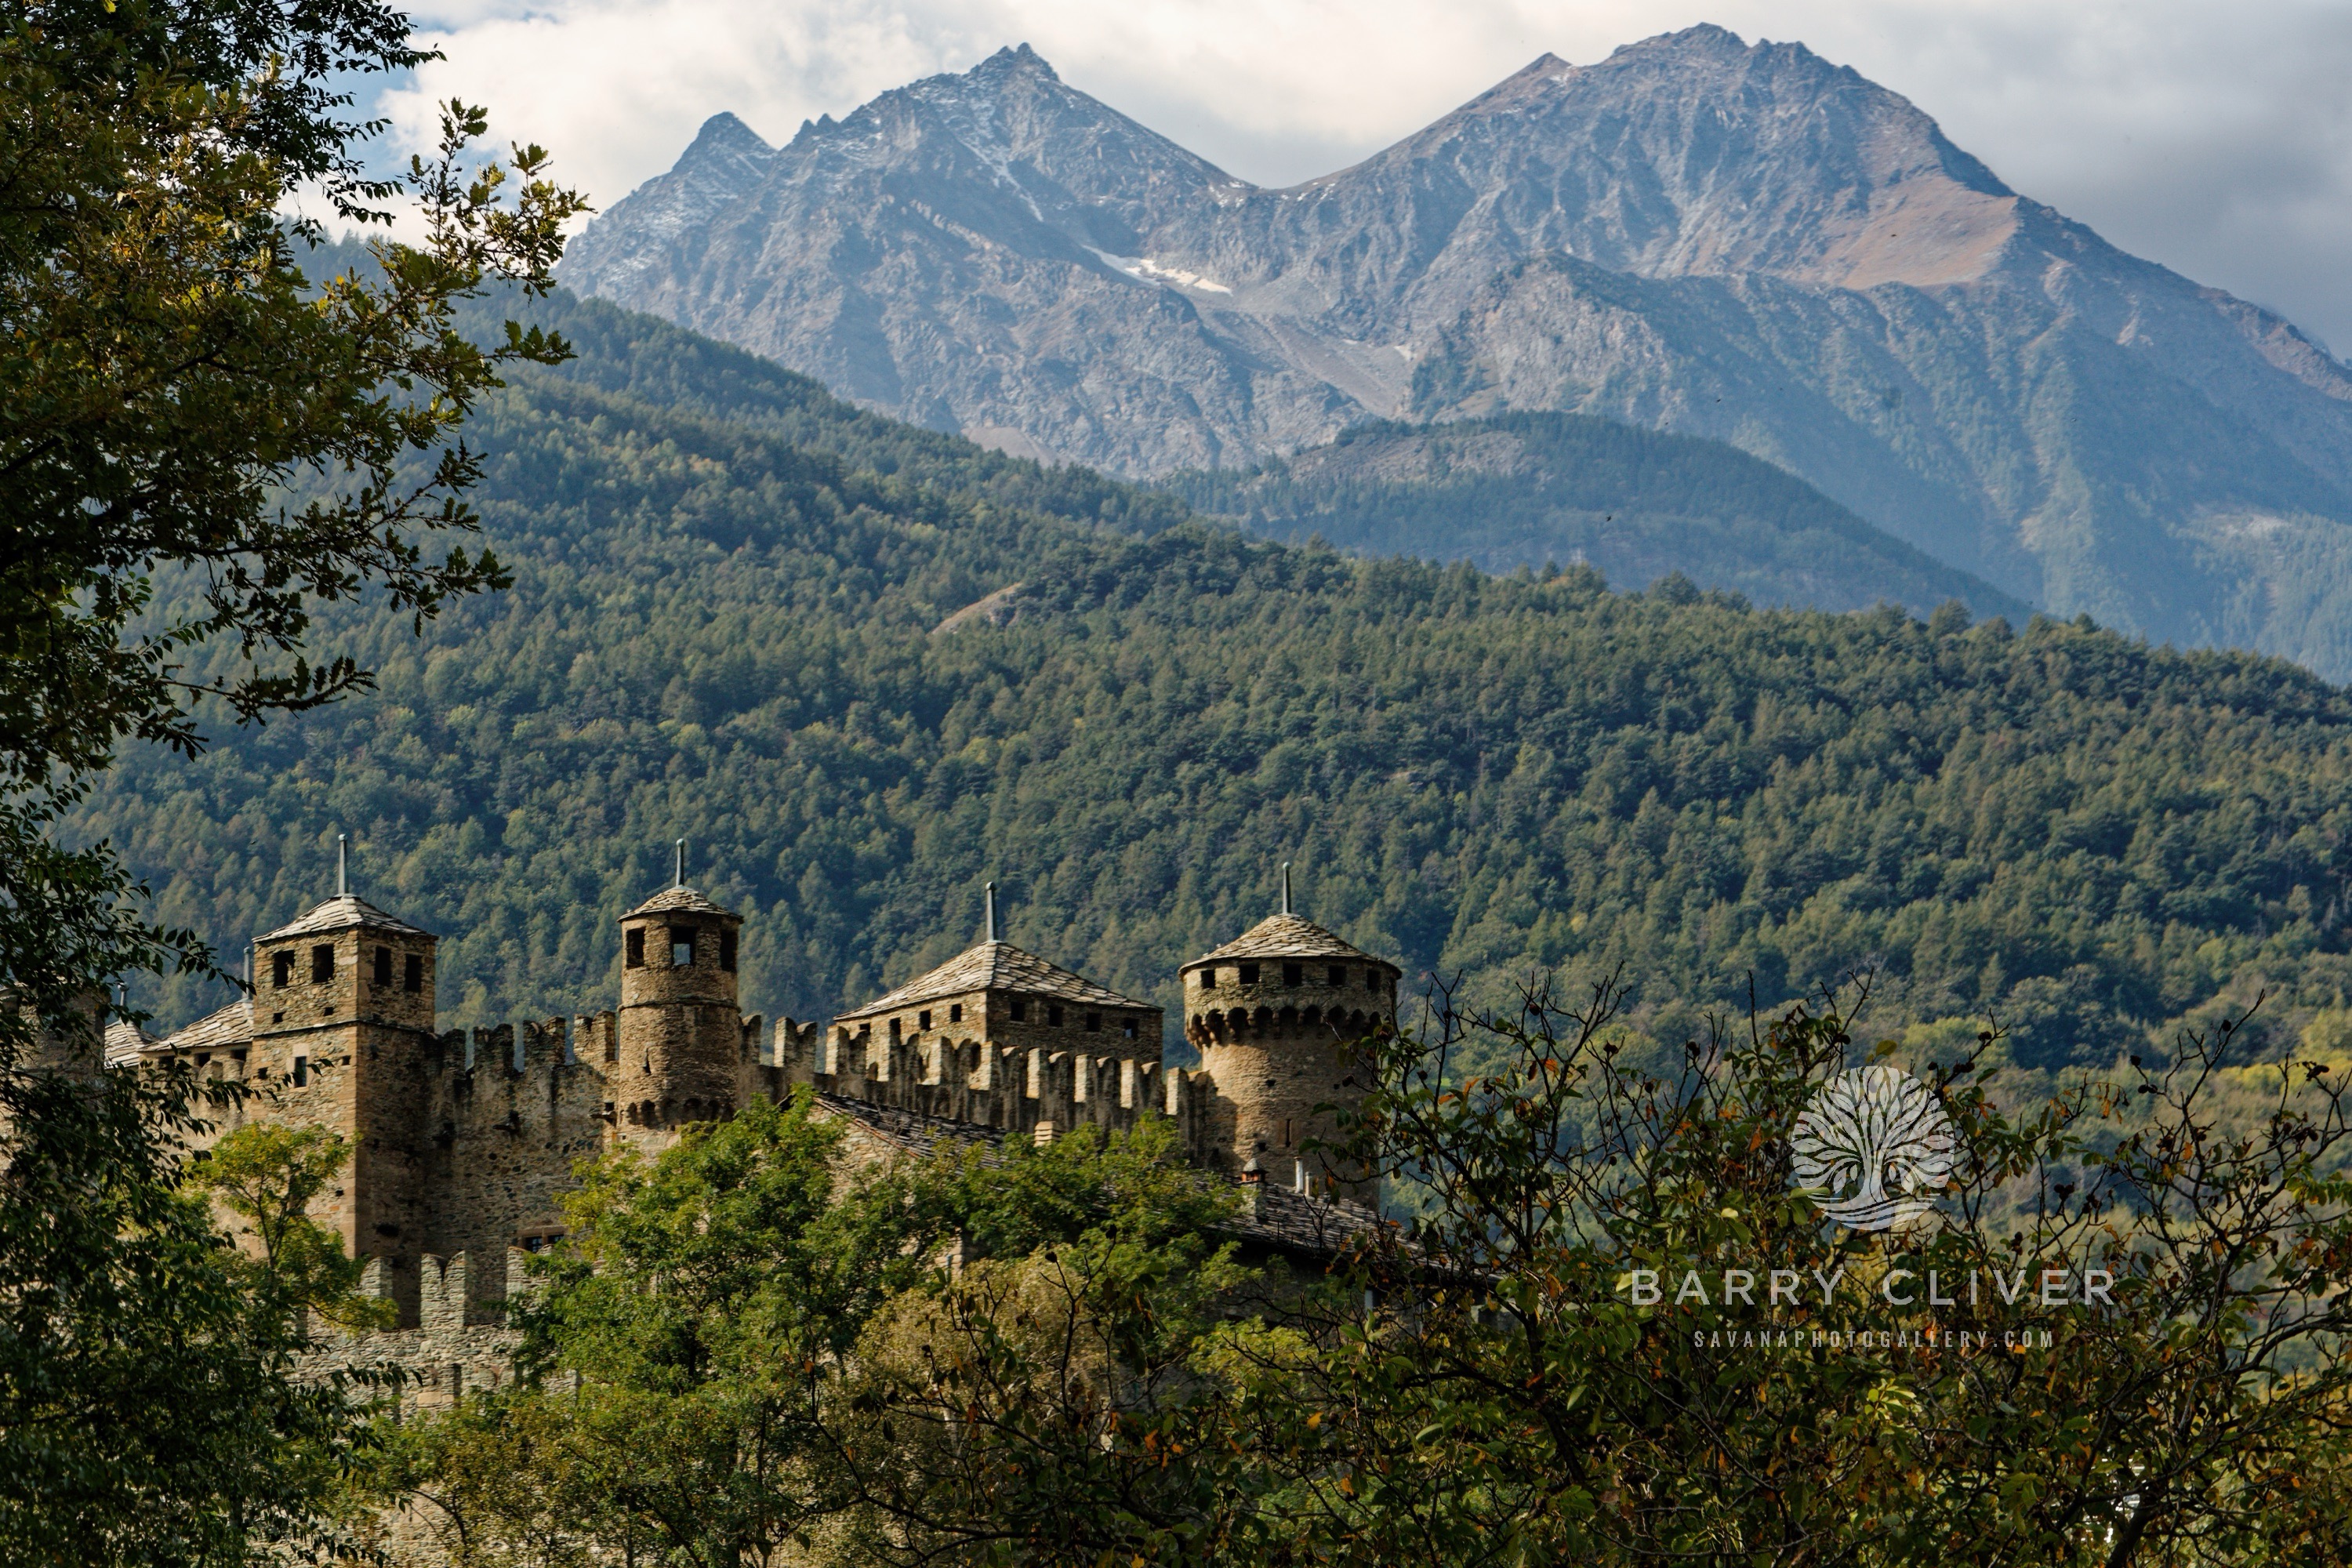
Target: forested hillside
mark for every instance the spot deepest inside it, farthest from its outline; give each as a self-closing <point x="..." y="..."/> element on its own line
<point x="718" y="633"/>
<point x="1530" y="489"/>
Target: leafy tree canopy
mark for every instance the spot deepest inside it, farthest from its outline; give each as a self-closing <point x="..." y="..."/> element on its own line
<point x="170" y="370"/>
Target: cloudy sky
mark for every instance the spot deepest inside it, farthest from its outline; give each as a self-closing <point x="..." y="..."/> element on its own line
<point x="2214" y="138"/>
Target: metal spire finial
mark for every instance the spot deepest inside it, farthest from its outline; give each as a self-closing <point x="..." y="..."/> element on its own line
<point x="990" y="906"/>
<point x="679" y="881"/>
<point x="342" y="867"/>
<point x="1286" y="886"/>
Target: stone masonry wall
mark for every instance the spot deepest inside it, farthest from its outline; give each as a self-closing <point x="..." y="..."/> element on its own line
<point x="961" y="1078"/>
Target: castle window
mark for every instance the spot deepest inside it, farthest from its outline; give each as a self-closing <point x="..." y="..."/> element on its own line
<point x="382" y="966"/>
<point x="894" y="1031"/>
<point x="1053" y="1014"/>
<point x="1249" y="973"/>
<point x="1020" y="1010"/>
<point x="955" y="1012"/>
<point x="681" y="947"/>
<point x="1129" y="1025"/>
<point x="1287" y="1130"/>
<point x="726" y="951"/>
<point x="1094" y="1023"/>
<point x="636" y="958"/>
<point x="1209" y="978"/>
<point x="322" y="964"/>
<point x="412" y="973"/>
<point x="923" y="1023"/>
<point x="301" y="1072"/>
<point x="1338" y="975"/>
<point x="1294" y="974"/>
<point x="281" y="969"/>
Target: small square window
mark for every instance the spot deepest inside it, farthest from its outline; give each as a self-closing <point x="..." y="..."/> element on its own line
<point x="412" y="973"/>
<point x="322" y="964"/>
<point x="382" y="966"/>
<point x="1020" y="1007"/>
<point x="1209" y="978"/>
<point x="1294" y="974"/>
<point x="1094" y="1023"/>
<point x="955" y="1012"/>
<point x="1249" y="973"/>
<point x="681" y="947"/>
<point x="923" y="1023"/>
<point x="1053" y="1015"/>
<point x="636" y="949"/>
<point x="1128" y="1026"/>
<point x="281" y="969"/>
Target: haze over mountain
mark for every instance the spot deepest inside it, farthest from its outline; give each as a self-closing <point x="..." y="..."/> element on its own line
<point x="1535" y="490"/>
<point x="1695" y="235"/>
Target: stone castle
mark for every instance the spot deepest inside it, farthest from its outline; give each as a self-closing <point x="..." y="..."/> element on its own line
<point x="463" y="1144"/>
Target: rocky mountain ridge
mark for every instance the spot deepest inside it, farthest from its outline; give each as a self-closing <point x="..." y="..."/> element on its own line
<point x="1695" y="234"/>
<point x="1537" y="491"/>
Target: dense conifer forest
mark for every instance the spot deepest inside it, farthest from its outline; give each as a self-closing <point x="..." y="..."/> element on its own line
<point x="727" y="625"/>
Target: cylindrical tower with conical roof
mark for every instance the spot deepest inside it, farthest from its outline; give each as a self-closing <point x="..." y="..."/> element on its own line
<point x="1279" y="1016"/>
<point x="680" y="1028"/>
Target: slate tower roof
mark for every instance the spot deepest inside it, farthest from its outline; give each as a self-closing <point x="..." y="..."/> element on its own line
<point x="997" y="966"/>
<point x="1291" y="936"/>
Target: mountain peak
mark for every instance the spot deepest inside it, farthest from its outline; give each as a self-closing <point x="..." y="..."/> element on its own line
<point x="724" y="135"/>
<point x="1014" y="58"/>
<point x="1703" y="38"/>
<point x="1701" y="232"/>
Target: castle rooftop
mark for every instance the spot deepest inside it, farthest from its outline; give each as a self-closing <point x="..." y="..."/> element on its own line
<point x="1289" y="936"/>
<point x="997" y="966"/>
<point x="215" y="1031"/>
<point x="125" y="1041"/>
<point x="680" y="900"/>
<point x="340" y="913"/>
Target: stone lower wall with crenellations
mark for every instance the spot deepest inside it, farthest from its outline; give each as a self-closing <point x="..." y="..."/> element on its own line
<point x="509" y="1113"/>
<point x="466" y="1141"/>
<point x="1027" y="1089"/>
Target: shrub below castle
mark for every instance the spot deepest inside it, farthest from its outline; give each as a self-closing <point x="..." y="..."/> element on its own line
<point x="1039" y="1356"/>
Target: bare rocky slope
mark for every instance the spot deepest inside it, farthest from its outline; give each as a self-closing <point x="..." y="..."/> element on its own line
<point x="1696" y="234"/>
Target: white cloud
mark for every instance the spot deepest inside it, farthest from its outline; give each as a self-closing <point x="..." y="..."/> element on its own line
<point x="2217" y="140"/>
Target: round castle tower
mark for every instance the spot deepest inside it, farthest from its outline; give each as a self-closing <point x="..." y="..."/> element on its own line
<point x="1277" y="1015"/>
<point x="679" y="1031"/>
